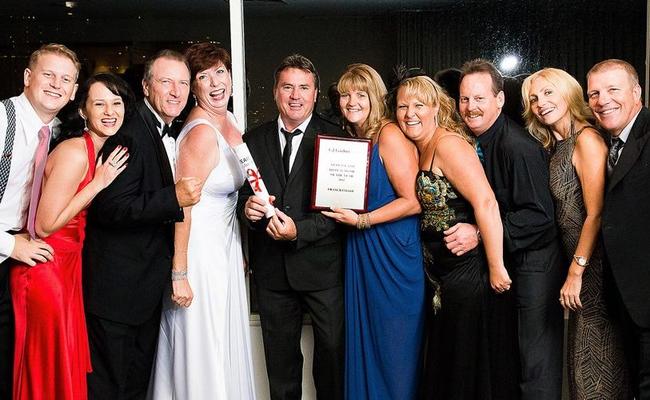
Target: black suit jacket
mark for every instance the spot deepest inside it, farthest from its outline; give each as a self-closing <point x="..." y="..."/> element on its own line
<point x="315" y="260"/>
<point x="130" y="232"/>
<point x="626" y="221"/>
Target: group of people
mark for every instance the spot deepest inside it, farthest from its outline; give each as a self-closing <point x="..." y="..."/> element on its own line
<point x="123" y="272"/>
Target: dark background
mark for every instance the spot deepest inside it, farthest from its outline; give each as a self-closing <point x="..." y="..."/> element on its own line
<point x="118" y="35"/>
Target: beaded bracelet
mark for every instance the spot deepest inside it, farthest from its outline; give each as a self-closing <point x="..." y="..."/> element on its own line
<point x="179" y="275"/>
<point x="363" y="221"/>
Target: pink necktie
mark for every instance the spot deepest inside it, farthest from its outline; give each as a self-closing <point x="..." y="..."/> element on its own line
<point x="39" y="168"/>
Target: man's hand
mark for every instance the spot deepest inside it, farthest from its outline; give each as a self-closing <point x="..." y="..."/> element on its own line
<point x="188" y="191"/>
<point x="461" y="238"/>
<point x="281" y="227"/>
<point x="255" y="208"/>
<point x="31" y="251"/>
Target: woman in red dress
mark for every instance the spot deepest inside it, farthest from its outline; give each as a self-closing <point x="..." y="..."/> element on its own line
<point x="51" y="352"/>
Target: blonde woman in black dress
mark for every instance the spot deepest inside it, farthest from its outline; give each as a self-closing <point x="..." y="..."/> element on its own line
<point x="559" y="118"/>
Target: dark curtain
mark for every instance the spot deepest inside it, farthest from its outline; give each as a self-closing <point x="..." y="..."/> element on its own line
<point x="571" y="35"/>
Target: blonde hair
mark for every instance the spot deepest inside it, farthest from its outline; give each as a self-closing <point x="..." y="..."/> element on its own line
<point x="570" y="91"/>
<point x="57" y="49"/>
<point x="429" y="92"/>
<point x="614" y="63"/>
<point x="364" y="78"/>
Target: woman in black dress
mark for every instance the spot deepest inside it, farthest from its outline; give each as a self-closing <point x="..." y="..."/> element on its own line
<point x="452" y="188"/>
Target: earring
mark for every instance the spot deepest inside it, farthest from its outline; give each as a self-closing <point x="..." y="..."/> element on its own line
<point x="85" y="124"/>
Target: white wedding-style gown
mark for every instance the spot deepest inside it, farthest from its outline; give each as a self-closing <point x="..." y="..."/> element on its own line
<point x="204" y="351"/>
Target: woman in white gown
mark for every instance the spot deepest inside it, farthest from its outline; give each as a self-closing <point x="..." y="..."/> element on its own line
<point x="204" y="343"/>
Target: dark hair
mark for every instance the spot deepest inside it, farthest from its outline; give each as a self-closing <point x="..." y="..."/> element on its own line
<point x="400" y="74"/>
<point x="115" y="84"/>
<point x="202" y="56"/>
<point x="449" y="80"/>
<point x="71" y="122"/>
<point x="480" y="65"/>
<point x="166" y="53"/>
<point x="299" y="62"/>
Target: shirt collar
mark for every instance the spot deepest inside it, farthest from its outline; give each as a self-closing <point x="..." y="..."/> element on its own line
<point x="625" y="133"/>
<point x="161" y="123"/>
<point x="31" y="121"/>
<point x="488" y="136"/>
<point x="302" y="126"/>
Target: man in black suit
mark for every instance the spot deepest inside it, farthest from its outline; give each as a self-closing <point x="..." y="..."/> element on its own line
<point x="296" y="256"/>
<point x="517" y="168"/>
<point x="615" y="98"/>
<point x="130" y="238"/>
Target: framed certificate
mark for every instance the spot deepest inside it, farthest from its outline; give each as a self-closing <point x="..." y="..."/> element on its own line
<point x="341" y="168"/>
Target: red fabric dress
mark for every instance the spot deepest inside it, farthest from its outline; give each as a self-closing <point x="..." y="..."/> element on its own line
<point x="52" y="356"/>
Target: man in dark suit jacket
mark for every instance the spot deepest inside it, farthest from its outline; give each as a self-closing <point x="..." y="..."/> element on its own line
<point x="130" y="238"/>
<point x="615" y="98"/>
<point x="296" y="256"/>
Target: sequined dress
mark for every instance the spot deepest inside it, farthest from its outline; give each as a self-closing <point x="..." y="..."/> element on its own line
<point x="457" y="359"/>
<point x="596" y="364"/>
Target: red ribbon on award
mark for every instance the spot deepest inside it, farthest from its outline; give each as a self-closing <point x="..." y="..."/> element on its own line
<point x="253" y="176"/>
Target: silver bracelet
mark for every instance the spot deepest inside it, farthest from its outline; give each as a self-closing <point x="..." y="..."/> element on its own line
<point x="179" y="275"/>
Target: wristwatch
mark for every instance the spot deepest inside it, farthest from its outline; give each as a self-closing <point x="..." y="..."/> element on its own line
<point x="581" y="261"/>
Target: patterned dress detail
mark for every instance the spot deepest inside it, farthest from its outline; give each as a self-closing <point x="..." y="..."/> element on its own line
<point x="596" y="363"/>
<point x="457" y="359"/>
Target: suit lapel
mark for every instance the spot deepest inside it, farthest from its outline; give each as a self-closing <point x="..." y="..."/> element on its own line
<point x="274" y="151"/>
<point x="151" y="124"/>
<point x="632" y="149"/>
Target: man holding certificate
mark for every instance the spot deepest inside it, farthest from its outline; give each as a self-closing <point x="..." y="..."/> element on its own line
<point x="296" y="255"/>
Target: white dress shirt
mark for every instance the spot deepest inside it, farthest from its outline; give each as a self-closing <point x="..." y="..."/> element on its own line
<point x="625" y="133"/>
<point x="15" y="202"/>
<point x="168" y="142"/>
<point x="295" y="141"/>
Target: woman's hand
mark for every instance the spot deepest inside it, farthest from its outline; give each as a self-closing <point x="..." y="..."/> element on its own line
<point x="342" y="215"/>
<point x="106" y="172"/>
<point x="570" y="292"/>
<point x="499" y="279"/>
<point x="182" y="292"/>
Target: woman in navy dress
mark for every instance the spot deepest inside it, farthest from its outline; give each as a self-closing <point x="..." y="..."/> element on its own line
<point x="384" y="279"/>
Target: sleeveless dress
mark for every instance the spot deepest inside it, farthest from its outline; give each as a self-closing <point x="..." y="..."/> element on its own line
<point x="204" y="350"/>
<point x="457" y="356"/>
<point x="52" y="356"/>
<point x="596" y="363"/>
<point x="384" y="301"/>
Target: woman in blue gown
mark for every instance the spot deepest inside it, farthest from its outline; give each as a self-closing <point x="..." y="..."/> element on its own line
<point x="384" y="278"/>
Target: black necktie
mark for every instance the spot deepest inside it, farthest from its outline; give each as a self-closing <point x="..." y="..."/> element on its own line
<point x="286" y="153"/>
<point x="617" y="144"/>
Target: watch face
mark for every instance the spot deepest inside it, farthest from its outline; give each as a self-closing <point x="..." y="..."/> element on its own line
<point x="581" y="261"/>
